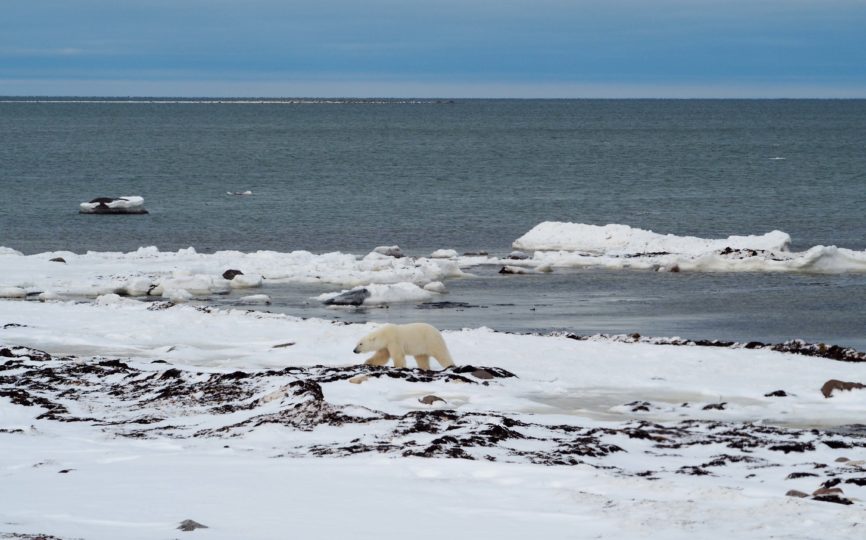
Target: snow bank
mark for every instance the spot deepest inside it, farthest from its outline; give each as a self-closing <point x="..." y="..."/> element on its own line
<point x="620" y="247"/>
<point x="148" y="271"/>
<point x="625" y="240"/>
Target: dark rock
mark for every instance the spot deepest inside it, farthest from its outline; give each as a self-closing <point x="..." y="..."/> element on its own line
<point x="518" y="255"/>
<point x="65" y="471"/>
<point x="476" y="254"/>
<point x="827" y="491"/>
<point x="444" y="305"/>
<point x="833" y="499"/>
<point x="430" y="400"/>
<point x="639" y="406"/>
<point x="842" y="460"/>
<point x="492" y="371"/>
<point x="283" y="345"/>
<point x="715" y="406"/>
<point x="355" y="297"/>
<point x="856" y="481"/>
<point x="190" y="525"/>
<point x="231" y="273"/>
<point x="837" y="444"/>
<point x="793" y="447"/>
<point x="390" y="251"/>
<point x="777" y="393"/>
<point x="57" y="259"/>
<point x="513" y="270"/>
<point x="482" y="374"/>
<point x="794" y="475"/>
<point x="834" y="384"/>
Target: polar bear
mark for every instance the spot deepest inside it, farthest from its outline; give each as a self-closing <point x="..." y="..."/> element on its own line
<point x="395" y="341"/>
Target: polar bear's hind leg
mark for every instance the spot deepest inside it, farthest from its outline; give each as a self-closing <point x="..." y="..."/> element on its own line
<point x="423" y="361"/>
<point x="444" y="359"/>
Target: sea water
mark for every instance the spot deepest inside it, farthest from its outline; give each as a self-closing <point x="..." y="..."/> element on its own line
<point x="349" y="175"/>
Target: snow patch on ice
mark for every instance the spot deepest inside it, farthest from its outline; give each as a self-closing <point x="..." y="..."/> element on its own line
<point x="622" y="239"/>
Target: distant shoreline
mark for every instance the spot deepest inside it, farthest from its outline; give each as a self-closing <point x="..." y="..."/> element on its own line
<point x="171" y="100"/>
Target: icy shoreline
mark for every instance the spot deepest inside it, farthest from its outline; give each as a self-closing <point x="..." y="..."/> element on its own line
<point x="639" y="437"/>
<point x="186" y="274"/>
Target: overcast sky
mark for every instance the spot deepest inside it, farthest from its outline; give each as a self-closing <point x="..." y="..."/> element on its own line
<point x="436" y="48"/>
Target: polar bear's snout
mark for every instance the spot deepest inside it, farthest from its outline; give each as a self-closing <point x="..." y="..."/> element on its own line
<point x="357" y="348"/>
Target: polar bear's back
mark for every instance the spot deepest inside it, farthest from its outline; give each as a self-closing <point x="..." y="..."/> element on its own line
<point x="421" y="338"/>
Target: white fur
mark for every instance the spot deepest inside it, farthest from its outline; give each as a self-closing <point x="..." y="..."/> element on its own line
<point x="395" y="341"/>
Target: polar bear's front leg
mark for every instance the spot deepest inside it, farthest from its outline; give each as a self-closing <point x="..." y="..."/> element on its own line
<point x="378" y="359"/>
<point x="398" y="355"/>
<point x="423" y="361"/>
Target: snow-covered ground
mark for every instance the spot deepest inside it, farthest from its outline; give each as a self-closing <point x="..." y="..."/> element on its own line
<point x="121" y="418"/>
<point x="138" y="416"/>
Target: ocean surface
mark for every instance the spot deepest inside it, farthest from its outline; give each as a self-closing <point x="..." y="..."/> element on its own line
<point x="469" y="175"/>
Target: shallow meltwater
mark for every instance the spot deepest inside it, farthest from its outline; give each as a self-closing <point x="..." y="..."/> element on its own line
<point x="726" y="306"/>
<point x="615" y="403"/>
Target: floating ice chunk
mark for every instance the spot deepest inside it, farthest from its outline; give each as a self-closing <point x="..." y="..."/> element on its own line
<point x="255" y="299"/>
<point x="112" y="299"/>
<point x="444" y="254"/>
<point x="245" y="281"/>
<point x="622" y="239"/>
<point x="239" y="193"/>
<point x="177" y="295"/>
<point x="114" y="205"/>
<point x="9" y="251"/>
<point x="436" y="287"/>
<point x="12" y="292"/>
<point x="384" y="294"/>
<point x="196" y="284"/>
<point x="389" y="251"/>
<point x="139" y="286"/>
<point x="47" y="296"/>
<point x="353" y="297"/>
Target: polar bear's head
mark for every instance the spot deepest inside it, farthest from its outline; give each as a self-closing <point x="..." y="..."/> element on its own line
<point x="374" y="341"/>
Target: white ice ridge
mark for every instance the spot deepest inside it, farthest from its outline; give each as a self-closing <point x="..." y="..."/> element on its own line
<point x="557" y="244"/>
<point x="391" y="293"/>
<point x="624" y="240"/>
<point x="148" y="271"/>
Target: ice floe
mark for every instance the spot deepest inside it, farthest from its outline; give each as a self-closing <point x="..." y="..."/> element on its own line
<point x="579" y="245"/>
<point x="148" y="271"/>
<point x="114" y="205"/>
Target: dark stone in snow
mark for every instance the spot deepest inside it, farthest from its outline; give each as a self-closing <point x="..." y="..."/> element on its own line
<point x="57" y="259"/>
<point x="355" y="297"/>
<point x="430" y="400"/>
<point x="190" y="525"/>
<point x="777" y="393"/>
<point x="231" y="273"/>
<point x="834" y="384"/>
<point x="715" y="406"/>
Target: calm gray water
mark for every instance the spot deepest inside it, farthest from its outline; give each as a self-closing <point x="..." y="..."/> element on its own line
<point x="468" y="175"/>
